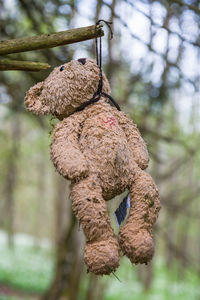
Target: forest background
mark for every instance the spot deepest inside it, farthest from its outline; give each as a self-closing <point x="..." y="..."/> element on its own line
<point x="153" y="65"/>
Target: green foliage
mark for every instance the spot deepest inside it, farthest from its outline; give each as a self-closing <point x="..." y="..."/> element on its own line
<point x="166" y="284"/>
<point x="30" y="269"/>
<point x="160" y="97"/>
<point x="26" y="268"/>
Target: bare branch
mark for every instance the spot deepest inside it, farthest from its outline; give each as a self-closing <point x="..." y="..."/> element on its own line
<point x="149" y="46"/>
<point x="190" y="6"/>
<point x="50" y="40"/>
<point x="7" y="64"/>
<point x="196" y="44"/>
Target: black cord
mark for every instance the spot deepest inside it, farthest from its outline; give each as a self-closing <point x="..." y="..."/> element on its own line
<point x="85" y="104"/>
<point x="97" y="95"/>
<point x="112" y="100"/>
<point x="99" y="53"/>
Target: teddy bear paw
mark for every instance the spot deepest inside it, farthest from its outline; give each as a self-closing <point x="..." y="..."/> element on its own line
<point x="102" y="257"/>
<point x="138" y="247"/>
<point x="75" y="172"/>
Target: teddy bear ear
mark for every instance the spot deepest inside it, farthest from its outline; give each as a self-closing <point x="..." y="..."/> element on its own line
<point x="34" y="102"/>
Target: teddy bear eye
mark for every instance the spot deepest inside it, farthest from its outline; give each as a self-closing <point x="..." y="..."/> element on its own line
<point x="62" y="68"/>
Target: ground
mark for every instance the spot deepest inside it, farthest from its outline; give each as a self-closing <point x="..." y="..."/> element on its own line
<point x="26" y="272"/>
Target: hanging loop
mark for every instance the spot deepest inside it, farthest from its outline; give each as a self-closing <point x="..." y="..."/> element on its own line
<point x="108" y="24"/>
<point x="99" y="63"/>
<point x="97" y="95"/>
<point x="99" y="52"/>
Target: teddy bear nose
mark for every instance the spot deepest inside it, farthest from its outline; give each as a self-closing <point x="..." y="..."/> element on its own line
<point x="82" y="60"/>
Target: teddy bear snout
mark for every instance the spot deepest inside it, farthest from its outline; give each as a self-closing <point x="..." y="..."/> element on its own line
<point x="34" y="101"/>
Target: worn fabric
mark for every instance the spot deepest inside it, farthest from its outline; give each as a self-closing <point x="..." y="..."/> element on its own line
<point x="102" y="152"/>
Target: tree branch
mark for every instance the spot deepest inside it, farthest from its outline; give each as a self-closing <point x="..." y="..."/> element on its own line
<point x="7" y="64"/>
<point x="50" y="40"/>
<point x="190" y="6"/>
<point x="151" y="49"/>
<point x="194" y="43"/>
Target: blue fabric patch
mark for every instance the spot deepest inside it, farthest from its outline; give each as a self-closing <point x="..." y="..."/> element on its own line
<point x="121" y="211"/>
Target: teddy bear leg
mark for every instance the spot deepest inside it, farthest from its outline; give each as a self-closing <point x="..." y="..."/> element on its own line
<point x="102" y="249"/>
<point x="135" y="237"/>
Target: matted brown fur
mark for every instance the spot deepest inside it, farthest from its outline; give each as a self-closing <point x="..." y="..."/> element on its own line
<point x="102" y="152"/>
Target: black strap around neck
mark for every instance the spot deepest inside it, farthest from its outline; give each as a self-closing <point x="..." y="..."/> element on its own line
<point x="96" y="99"/>
<point x="97" y="95"/>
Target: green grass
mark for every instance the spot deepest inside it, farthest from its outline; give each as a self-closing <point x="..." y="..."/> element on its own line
<point x="166" y="284"/>
<point x="26" y="268"/>
<point x="30" y="269"/>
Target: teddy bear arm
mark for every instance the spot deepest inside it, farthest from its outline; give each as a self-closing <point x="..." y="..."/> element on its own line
<point x="135" y="141"/>
<point x="65" y="151"/>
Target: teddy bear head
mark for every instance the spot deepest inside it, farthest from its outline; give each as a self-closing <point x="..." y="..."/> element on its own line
<point x="65" y="89"/>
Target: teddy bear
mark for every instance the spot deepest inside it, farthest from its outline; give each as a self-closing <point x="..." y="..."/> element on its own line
<point x="100" y="150"/>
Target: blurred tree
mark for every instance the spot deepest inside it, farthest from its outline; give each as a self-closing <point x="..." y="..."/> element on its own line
<point x="11" y="178"/>
<point x="152" y="65"/>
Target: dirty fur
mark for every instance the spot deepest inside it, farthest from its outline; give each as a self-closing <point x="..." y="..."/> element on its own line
<point x="102" y="152"/>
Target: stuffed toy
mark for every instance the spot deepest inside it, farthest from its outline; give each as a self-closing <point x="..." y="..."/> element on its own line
<point x="100" y="150"/>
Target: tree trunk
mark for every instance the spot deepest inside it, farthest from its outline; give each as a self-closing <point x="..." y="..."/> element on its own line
<point x="145" y="275"/>
<point x="96" y="288"/>
<point x="11" y="176"/>
<point x="39" y="221"/>
<point x="69" y="262"/>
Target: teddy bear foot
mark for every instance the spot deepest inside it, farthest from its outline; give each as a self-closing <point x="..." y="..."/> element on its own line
<point x="102" y="257"/>
<point x="138" y="247"/>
